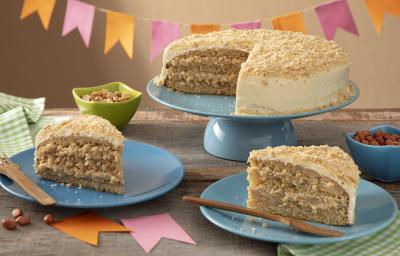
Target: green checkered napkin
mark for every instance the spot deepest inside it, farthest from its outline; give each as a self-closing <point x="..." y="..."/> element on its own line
<point x="383" y="243"/>
<point x="32" y="108"/>
<point x="20" y="121"/>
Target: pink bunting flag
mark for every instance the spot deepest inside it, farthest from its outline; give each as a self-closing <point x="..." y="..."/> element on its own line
<point x="247" y="25"/>
<point x="162" y="34"/>
<point x="79" y="15"/>
<point x="336" y="14"/>
<point x="149" y="230"/>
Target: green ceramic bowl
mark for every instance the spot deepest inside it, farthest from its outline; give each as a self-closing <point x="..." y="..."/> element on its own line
<point x="119" y="113"/>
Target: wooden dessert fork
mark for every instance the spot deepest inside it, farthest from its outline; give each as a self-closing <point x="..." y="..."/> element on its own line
<point x="292" y="222"/>
<point x="13" y="172"/>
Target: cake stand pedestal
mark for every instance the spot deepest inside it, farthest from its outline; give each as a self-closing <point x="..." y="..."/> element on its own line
<point x="231" y="136"/>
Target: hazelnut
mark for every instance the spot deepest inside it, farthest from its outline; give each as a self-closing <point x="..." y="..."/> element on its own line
<point x="9" y="223"/>
<point x="357" y="138"/>
<point x="369" y="138"/>
<point x="389" y="142"/>
<point x="365" y="142"/>
<point x="16" y="213"/>
<point x="23" y="220"/>
<point x="48" y="219"/>
<point x="379" y="133"/>
<point x="374" y="143"/>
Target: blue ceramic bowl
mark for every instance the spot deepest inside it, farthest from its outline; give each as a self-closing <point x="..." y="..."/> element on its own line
<point x="379" y="162"/>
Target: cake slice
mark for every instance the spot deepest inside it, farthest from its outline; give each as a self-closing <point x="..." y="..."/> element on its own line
<point x="316" y="183"/>
<point x="83" y="152"/>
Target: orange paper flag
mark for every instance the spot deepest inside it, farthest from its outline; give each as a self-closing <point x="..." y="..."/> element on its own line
<point x="291" y="22"/>
<point x="43" y="7"/>
<point x="86" y="227"/>
<point x="378" y="8"/>
<point x="120" y="27"/>
<point x="204" y="28"/>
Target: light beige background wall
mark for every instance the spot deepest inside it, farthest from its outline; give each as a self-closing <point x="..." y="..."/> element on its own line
<point x="35" y="62"/>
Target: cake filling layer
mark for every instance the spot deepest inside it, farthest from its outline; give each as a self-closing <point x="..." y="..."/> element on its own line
<point x="205" y="71"/>
<point x="290" y="190"/>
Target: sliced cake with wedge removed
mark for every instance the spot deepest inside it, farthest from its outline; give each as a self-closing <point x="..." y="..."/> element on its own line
<point x="316" y="183"/>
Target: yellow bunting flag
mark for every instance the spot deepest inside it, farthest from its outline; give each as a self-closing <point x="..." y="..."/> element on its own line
<point x="291" y="22"/>
<point x="378" y="8"/>
<point x="204" y="28"/>
<point x="120" y="27"/>
<point x="43" y="7"/>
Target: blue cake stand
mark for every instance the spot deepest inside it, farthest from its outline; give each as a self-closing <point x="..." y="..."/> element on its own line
<point x="231" y="136"/>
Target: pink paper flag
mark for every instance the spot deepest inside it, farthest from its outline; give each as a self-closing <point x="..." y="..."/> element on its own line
<point x="149" y="230"/>
<point x="79" y="15"/>
<point x="333" y="15"/>
<point x="247" y="25"/>
<point x="162" y="34"/>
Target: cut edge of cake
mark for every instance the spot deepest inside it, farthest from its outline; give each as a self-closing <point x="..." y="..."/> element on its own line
<point x="330" y="162"/>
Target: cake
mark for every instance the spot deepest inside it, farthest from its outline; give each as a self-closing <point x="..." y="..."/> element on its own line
<point x="84" y="152"/>
<point x="271" y="72"/>
<point x="316" y="183"/>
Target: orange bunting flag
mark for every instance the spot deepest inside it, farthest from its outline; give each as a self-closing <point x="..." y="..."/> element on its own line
<point x="290" y="22"/>
<point x="86" y="227"/>
<point x="204" y="28"/>
<point x="44" y="8"/>
<point x="120" y="27"/>
<point x="378" y="8"/>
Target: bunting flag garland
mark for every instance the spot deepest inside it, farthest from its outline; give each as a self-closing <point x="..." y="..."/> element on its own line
<point x="247" y="25"/>
<point x="290" y="22"/>
<point x="335" y="15"/>
<point x="378" y="8"/>
<point x="162" y="34"/>
<point x="79" y="15"/>
<point x="120" y="27"/>
<point x="204" y="28"/>
<point x="44" y="8"/>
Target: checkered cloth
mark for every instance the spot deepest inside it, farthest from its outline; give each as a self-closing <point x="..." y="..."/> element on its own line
<point x="20" y="121"/>
<point x="383" y="243"/>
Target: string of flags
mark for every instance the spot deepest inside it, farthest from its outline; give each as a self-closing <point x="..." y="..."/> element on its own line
<point x="120" y="27"/>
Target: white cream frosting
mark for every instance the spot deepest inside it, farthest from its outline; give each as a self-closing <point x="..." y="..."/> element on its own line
<point x="260" y="95"/>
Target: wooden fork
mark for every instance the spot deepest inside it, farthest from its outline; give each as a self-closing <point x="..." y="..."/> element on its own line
<point x="12" y="171"/>
<point x="292" y="222"/>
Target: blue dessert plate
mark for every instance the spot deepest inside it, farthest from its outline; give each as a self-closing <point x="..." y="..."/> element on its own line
<point x="149" y="172"/>
<point x="375" y="209"/>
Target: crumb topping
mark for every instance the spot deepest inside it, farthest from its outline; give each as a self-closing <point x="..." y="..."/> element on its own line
<point x="85" y="126"/>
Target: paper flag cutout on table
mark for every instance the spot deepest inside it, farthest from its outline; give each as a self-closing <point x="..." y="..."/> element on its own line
<point x="86" y="227"/>
<point x="79" y="15"/>
<point x="44" y="8"/>
<point x="150" y="229"/>
<point x="247" y="25"/>
<point x="204" y="28"/>
<point x="335" y="15"/>
<point x="290" y="22"/>
<point x="378" y="8"/>
<point x="120" y="27"/>
<point x="162" y="34"/>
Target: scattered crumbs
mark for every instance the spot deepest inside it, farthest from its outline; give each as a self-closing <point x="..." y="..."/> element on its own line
<point x="53" y="185"/>
<point x="62" y="184"/>
<point x="264" y="225"/>
<point x="80" y="186"/>
<point x="251" y="219"/>
<point x="253" y="230"/>
<point x="68" y="185"/>
<point x="76" y="191"/>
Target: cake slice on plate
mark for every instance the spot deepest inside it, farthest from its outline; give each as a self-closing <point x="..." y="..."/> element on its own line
<point x="83" y="152"/>
<point x="316" y="183"/>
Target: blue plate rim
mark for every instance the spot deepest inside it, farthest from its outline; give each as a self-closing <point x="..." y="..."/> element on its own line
<point x="142" y="197"/>
<point x="252" y="118"/>
<point x="318" y="240"/>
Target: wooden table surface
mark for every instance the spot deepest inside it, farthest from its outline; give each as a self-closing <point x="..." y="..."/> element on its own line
<point x="181" y="134"/>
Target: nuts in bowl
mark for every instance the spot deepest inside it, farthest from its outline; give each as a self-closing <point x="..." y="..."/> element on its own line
<point x="105" y="95"/>
<point x="115" y="102"/>
<point x="377" y="152"/>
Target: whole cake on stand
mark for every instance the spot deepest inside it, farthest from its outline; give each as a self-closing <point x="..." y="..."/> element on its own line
<point x="251" y="84"/>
